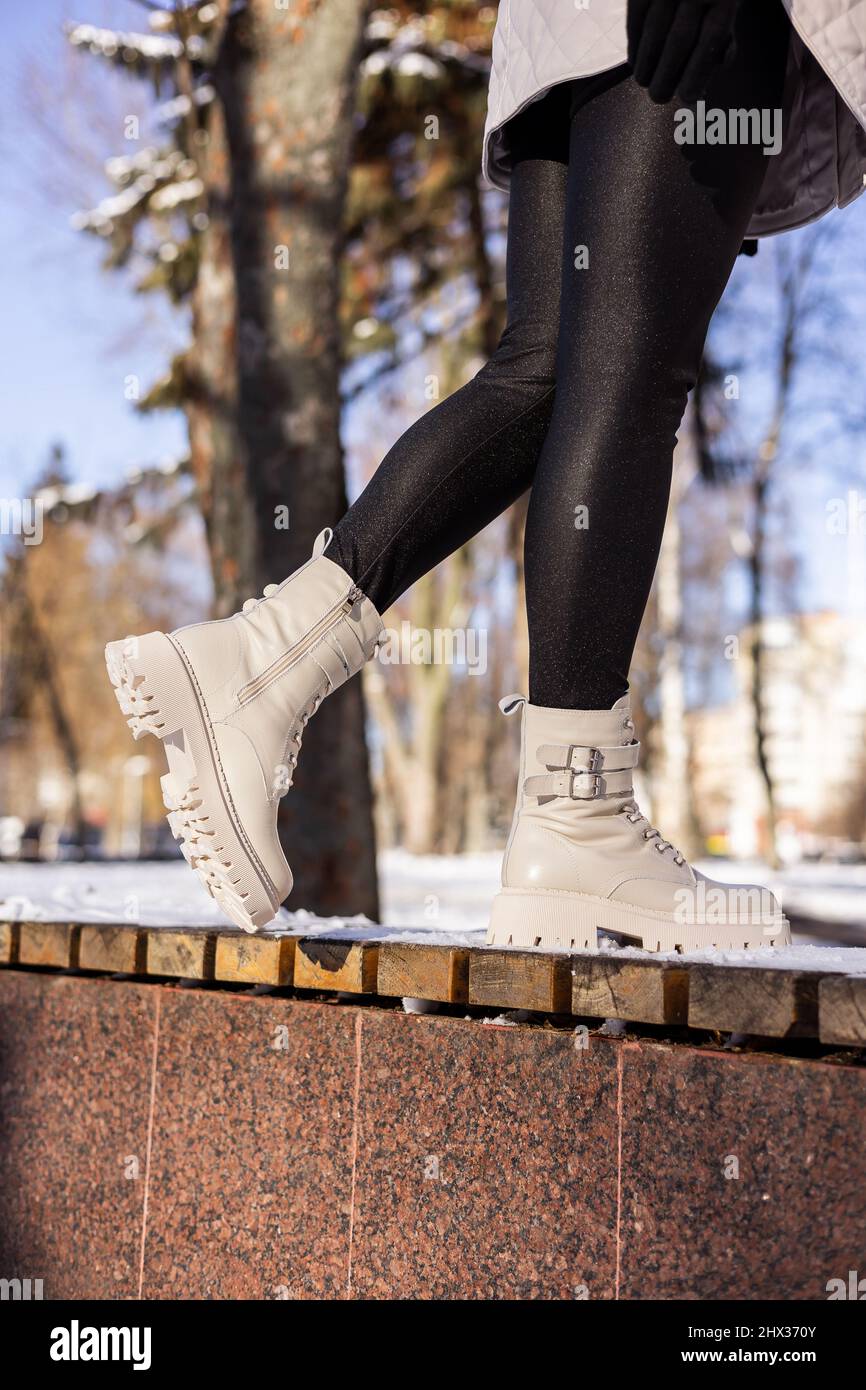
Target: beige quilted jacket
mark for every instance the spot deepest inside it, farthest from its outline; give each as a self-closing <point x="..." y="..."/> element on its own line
<point x="822" y="163"/>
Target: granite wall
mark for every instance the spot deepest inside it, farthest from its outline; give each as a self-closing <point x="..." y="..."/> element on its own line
<point x="166" y="1142"/>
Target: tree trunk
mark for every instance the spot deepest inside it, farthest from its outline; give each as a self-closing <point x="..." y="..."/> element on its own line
<point x="285" y="80"/>
<point x="758" y="691"/>
<point x="413" y="759"/>
<point x="216" y="454"/>
<point x="41" y="653"/>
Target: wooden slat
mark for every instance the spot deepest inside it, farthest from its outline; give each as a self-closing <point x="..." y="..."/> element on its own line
<point x="635" y="990"/>
<point x="259" y="960"/>
<point x="52" y="944"/>
<point x="745" y="999"/>
<point x="842" y="1010"/>
<point x="119" y="950"/>
<point x="343" y="965"/>
<point x="424" y="972"/>
<point x="8" y="942"/>
<point x="187" y="954"/>
<point x="531" y="980"/>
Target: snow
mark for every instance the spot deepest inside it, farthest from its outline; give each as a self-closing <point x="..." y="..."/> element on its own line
<point x="149" y="161"/>
<point x="425" y="899"/>
<point x="156" y="48"/>
<point x="182" y="105"/>
<point x="65" y="494"/>
<point x="175" y="193"/>
<point x="166" y="180"/>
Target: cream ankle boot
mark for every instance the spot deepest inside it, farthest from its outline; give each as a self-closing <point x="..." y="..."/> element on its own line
<point x="581" y="858"/>
<point x="230" y="701"/>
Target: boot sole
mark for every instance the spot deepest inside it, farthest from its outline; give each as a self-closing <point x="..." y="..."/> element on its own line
<point x="158" y="694"/>
<point x="546" y="918"/>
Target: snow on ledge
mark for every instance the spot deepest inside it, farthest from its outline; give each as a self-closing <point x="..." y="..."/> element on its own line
<point x="427" y="901"/>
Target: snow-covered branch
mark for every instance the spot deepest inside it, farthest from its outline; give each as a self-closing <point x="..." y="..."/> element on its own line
<point x="408" y="49"/>
<point x="144" y="51"/>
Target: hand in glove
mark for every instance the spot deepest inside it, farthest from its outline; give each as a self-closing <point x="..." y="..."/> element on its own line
<point x="674" y="45"/>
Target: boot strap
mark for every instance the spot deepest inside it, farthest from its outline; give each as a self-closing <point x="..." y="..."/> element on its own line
<point x="580" y="784"/>
<point x="581" y="759"/>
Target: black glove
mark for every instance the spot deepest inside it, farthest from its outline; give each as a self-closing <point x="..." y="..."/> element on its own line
<point x="674" y="45"/>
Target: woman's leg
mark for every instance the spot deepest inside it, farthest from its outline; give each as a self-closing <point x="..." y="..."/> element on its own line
<point x="466" y="460"/>
<point x="661" y="223"/>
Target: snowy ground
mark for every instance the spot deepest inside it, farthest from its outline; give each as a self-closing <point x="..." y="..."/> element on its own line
<point x="424" y="899"/>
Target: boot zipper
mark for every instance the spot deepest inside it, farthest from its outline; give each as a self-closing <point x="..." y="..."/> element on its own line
<point x="276" y="669"/>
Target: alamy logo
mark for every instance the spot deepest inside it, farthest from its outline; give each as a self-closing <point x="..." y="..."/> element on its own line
<point x="77" y="1343"/>
<point x="22" y="516"/>
<point x="854" y="1290"/>
<point x="439" y="646"/>
<point x="717" y="905"/>
<point x="755" y="126"/>
<point x="20" y="1289"/>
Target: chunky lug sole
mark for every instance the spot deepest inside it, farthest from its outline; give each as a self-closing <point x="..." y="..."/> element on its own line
<point x="158" y="694"/>
<point x="547" y="917"/>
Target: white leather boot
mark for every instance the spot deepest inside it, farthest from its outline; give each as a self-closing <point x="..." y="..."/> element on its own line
<point x="581" y="858"/>
<point x="230" y="701"/>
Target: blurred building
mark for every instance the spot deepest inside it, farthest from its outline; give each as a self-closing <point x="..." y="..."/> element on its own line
<point x="815" y="718"/>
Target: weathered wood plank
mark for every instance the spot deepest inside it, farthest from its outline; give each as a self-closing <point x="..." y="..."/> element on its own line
<point x="8" y="942"/>
<point x="259" y="960"/>
<point x="118" y="950"/>
<point x="345" y="965"/>
<point x="842" y="1010"/>
<point x="635" y="990"/>
<point x="52" y="944"/>
<point x="746" y="999"/>
<point x="424" y="972"/>
<point x="188" y="954"/>
<point x="532" y="980"/>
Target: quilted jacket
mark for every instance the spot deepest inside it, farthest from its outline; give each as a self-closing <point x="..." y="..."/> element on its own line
<point x="822" y="163"/>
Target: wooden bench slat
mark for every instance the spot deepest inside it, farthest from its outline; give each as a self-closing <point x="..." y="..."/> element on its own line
<point x="260" y="960"/>
<point x="350" y="966"/>
<point x="634" y="990"/>
<point x="118" y="950"/>
<point x="187" y="954"/>
<point x="537" y="981"/>
<point x="440" y="973"/>
<point x="52" y="944"/>
<point x="8" y="942"/>
<point x="753" y="999"/>
<point x="842" y="1010"/>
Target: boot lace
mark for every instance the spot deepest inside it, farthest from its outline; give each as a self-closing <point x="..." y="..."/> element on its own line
<point x="293" y="748"/>
<point x="635" y="816"/>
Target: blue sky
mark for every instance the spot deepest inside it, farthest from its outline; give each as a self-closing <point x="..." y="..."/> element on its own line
<point x="74" y="333"/>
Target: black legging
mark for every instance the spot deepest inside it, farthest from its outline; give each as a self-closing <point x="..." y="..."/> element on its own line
<point x="585" y="393"/>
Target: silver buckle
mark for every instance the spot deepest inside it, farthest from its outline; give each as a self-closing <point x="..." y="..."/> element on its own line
<point x="597" y="788"/>
<point x="596" y="759"/>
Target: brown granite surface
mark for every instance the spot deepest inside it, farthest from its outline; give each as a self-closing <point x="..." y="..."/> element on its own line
<point x="297" y="1148"/>
<point x="485" y="1161"/>
<point x="250" y="1185"/>
<point x="75" y="1069"/>
<point x="794" y="1131"/>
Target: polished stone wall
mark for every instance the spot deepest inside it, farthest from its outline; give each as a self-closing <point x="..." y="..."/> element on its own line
<point x="169" y="1142"/>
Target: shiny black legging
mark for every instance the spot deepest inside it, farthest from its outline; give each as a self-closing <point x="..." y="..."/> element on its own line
<point x="620" y="243"/>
